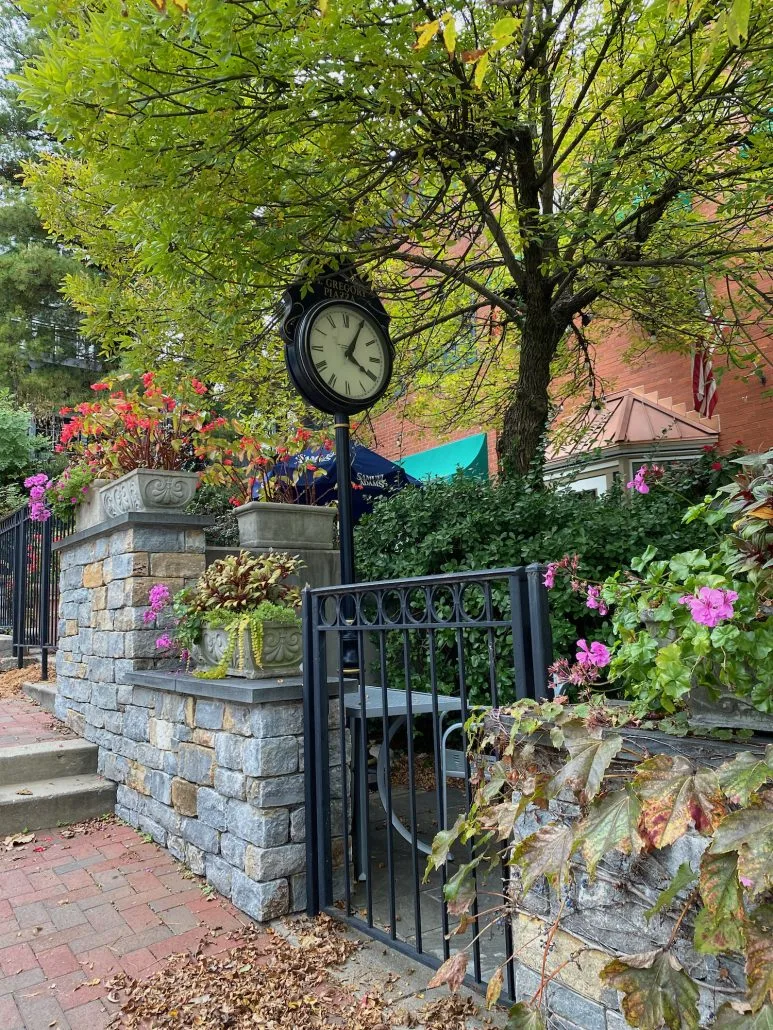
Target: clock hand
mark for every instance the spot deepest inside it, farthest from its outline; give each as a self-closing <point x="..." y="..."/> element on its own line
<point x="350" y="349"/>
<point x="359" y="366"/>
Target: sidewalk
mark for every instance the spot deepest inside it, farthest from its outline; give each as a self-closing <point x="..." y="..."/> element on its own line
<point x="90" y="916"/>
<point x="24" y="722"/>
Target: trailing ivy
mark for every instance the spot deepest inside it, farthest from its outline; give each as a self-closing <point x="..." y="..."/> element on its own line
<point x="531" y="758"/>
<point x="243" y="627"/>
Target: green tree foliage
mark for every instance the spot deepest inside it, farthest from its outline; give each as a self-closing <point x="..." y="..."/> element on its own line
<point x="19" y="450"/>
<point x="497" y="168"/>
<point x="39" y="329"/>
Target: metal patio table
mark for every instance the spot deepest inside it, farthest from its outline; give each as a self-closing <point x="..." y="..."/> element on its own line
<point x="397" y="715"/>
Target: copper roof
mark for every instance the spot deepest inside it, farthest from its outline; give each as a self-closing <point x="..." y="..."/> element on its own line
<point x="634" y="416"/>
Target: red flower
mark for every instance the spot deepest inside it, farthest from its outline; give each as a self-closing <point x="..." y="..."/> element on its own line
<point x="198" y="387"/>
<point x="327" y="444"/>
<point x="739" y="443"/>
<point x="709" y="448"/>
<point x="100" y="386"/>
<point x="65" y="411"/>
<point x="147" y="379"/>
<point x="716" y="465"/>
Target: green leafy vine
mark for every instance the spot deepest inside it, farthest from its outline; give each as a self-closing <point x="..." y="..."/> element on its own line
<point x="585" y="773"/>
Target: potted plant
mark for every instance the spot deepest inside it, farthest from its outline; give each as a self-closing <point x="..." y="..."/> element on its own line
<point x="240" y="619"/>
<point x="693" y="634"/>
<point x="141" y="446"/>
<point x="267" y="474"/>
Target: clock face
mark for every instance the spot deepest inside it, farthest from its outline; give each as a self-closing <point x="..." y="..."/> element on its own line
<point x="348" y="352"/>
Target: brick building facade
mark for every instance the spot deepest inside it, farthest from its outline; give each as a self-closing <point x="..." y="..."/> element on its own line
<point x="744" y="407"/>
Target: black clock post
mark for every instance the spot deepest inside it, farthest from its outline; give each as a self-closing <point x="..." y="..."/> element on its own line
<point x="339" y="357"/>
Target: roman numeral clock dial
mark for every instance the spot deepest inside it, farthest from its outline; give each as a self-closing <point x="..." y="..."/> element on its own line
<point x="345" y="354"/>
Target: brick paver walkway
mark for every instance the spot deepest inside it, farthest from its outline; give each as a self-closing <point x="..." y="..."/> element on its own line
<point x="87" y="907"/>
<point x="24" y="722"/>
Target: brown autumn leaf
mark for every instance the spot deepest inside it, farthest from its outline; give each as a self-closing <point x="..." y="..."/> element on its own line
<point x="452" y="972"/>
<point x="759" y="956"/>
<point x="674" y="797"/>
<point x="494" y="989"/>
<point x="656" y="991"/>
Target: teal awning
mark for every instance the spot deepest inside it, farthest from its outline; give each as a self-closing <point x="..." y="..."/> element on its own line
<point x="470" y="455"/>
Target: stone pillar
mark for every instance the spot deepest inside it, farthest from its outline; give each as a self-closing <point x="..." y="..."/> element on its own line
<point x="106" y="572"/>
<point x="213" y="770"/>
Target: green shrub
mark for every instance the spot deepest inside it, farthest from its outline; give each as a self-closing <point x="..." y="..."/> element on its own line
<point x="475" y="524"/>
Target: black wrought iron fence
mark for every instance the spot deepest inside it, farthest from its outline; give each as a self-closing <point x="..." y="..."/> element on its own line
<point x="414" y="658"/>
<point x="29" y="583"/>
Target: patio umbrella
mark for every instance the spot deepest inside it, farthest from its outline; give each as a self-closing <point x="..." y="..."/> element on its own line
<point x="373" y="476"/>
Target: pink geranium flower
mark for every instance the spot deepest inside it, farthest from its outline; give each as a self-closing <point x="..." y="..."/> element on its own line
<point x="595" y="601"/>
<point x="594" y="654"/>
<point x="711" y="605"/>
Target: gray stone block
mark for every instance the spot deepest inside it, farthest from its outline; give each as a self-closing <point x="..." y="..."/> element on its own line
<point x="572" y="1006"/>
<point x="265" y="828"/>
<point x="125" y="691"/>
<point x="236" y="719"/>
<point x="211" y="808"/>
<point x="159" y="813"/>
<point x="135" y="723"/>
<point x="196" y="763"/>
<point x="219" y="873"/>
<point x="150" y="756"/>
<point x="74" y="689"/>
<point x="277" y="720"/>
<point x="176" y="847"/>
<point x="94" y="715"/>
<point x="160" y="784"/>
<point x="195" y="859"/>
<point x="198" y="833"/>
<point x="209" y="715"/>
<point x="112" y="767"/>
<point x="153" y="538"/>
<point x="116" y="643"/>
<point x="125" y="669"/>
<point x="105" y="695"/>
<point x="616" y="1022"/>
<point x="230" y="783"/>
<point x="233" y="849"/>
<point x="298" y="824"/>
<point x="277" y="756"/>
<point x="278" y="792"/>
<point x="262" y="901"/>
<point x="100" y="670"/>
<point x="170" y="706"/>
<point x="148" y="825"/>
<point x="298" y="892"/>
<point x="127" y="798"/>
<point x="116" y="594"/>
<point x="114" y="722"/>
<point x="229" y="750"/>
<point x="273" y="863"/>
<point x="527" y="983"/>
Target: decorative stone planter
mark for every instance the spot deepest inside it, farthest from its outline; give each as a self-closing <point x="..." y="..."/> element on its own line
<point x="288" y="527"/>
<point x="280" y="655"/>
<point x="90" y="511"/>
<point x="727" y="712"/>
<point x="148" y="490"/>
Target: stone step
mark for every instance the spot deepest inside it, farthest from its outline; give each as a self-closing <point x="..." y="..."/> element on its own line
<point x="9" y="664"/>
<point x="54" y="802"/>
<point x="43" y="693"/>
<point x="47" y="760"/>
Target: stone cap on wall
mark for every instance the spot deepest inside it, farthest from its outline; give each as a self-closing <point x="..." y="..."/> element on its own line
<point x="230" y="688"/>
<point x="136" y="518"/>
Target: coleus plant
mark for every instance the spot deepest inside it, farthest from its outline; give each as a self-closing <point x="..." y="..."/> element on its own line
<point x="254" y="465"/>
<point x="527" y="759"/>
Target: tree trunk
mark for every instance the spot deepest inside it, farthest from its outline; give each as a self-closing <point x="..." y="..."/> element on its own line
<point x="526" y="416"/>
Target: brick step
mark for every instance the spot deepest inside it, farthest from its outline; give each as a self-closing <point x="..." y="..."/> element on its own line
<point x="54" y="802"/>
<point x="48" y="760"/>
<point x="43" y="693"/>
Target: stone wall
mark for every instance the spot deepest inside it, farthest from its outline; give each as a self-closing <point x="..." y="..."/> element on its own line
<point x="211" y="770"/>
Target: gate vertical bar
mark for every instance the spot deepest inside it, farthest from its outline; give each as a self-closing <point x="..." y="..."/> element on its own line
<point x="19" y="587"/>
<point x="45" y="596"/>
<point x="309" y="748"/>
<point x="541" y="637"/>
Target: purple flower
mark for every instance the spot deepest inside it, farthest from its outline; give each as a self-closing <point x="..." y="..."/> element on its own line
<point x="549" y="579"/>
<point x="596" y="654"/>
<point x="164" y="641"/>
<point x="39" y="479"/>
<point x="39" y="512"/>
<point x="148" y="616"/>
<point x="711" y="606"/>
<point x="159" y="596"/>
<point x="638" y="482"/>
<point x="594" y="600"/>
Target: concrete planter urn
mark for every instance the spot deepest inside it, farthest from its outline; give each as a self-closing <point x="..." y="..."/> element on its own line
<point x="148" y="490"/>
<point x="90" y="511"/>
<point x="280" y="649"/>
<point x="285" y="527"/>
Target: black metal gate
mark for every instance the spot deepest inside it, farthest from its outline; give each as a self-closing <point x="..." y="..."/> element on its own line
<point x="430" y="650"/>
<point x="29" y="583"/>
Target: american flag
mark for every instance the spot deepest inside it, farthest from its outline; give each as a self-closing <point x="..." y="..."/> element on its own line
<point x="704" y="387"/>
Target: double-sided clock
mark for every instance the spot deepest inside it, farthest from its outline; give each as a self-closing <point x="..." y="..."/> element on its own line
<point x="338" y="350"/>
